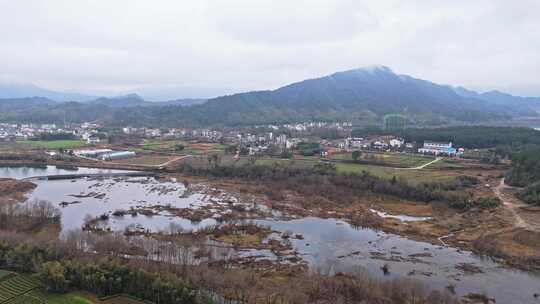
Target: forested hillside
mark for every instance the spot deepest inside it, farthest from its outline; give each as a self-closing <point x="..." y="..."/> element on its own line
<point x="525" y="172"/>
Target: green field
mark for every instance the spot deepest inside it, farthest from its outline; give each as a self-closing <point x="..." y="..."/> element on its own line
<point x="22" y="289"/>
<point x="52" y="145"/>
<point x="121" y="299"/>
<point x="70" y="298"/>
<point x="446" y="164"/>
<point x="16" y="286"/>
<point x="390" y="159"/>
<point x="42" y="297"/>
<point x="161" y="145"/>
<point x="412" y="176"/>
<point x="300" y="163"/>
<point x="3" y="274"/>
<point x="432" y="173"/>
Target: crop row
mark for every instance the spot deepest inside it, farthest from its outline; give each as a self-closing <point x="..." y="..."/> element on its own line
<point x="27" y="299"/>
<point x="15" y="286"/>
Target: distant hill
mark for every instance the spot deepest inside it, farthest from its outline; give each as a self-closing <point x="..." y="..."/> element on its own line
<point x="15" y="91"/>
<point x="23" y="93"/>
<point x="134" y="100"/>
<point x="8" y="104"/>
<point x="27" y="101"/>
<point x="520" y="105"/>
<point x="181" y="102"/>
<point x="130" y="100"/>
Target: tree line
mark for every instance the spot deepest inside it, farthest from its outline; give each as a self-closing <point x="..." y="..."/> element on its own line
<point x="102" y="277"/>
<point x="525" y="172"/>
<point x="30" y="216"/>
<point x="55" y="136"/>
<point x="323" y="180"/>
<point x="471" y="137"/>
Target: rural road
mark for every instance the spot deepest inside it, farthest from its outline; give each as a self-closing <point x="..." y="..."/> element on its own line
<point x="512" y="204"/>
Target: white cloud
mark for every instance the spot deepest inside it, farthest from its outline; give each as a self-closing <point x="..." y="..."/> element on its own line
<point x="123" y="45"/>
<point x="290" y="22"/>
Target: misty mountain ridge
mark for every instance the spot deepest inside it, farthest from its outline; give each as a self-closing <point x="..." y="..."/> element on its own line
<point x="34" y="95"/>
<point x="519" y="104"/>
<point x="14" y="91"/>
<point x="135" y="100"/>
<point x="361" y="95"/>
<point x="22" y="91"/>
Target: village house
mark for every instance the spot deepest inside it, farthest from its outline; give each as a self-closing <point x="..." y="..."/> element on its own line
<point x="438" y="148"/>
<point x="92" y="140"/>
<point x="396" y="142"/>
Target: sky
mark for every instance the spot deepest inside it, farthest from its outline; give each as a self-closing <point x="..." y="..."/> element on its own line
<point x="202" y="48"/>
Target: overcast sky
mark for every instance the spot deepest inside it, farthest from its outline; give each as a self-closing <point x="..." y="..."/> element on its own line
<point x="212" y="47"/>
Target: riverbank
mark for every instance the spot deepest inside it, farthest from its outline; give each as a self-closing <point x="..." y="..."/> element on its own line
<point x="12" y="190"/>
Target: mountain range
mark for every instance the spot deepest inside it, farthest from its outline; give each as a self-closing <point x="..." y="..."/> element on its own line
<point x="134" y="100"/>
<point x="520" y="104"/>
<point x="360" y="95"/>
<point x="16" y="91"/>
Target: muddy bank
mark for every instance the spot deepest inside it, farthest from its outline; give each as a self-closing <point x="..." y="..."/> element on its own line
<point x="518" y="247"/>
<point x="14" y="190"/>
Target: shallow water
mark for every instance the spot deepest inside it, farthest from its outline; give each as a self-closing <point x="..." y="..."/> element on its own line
<point x="336" y="245"/>
<point x="113" y="194"/>
<point x="327" y="244"/>
<point x="26" y="172"/>
<point x="119" y="194"/>
<point x="403" y="218"/>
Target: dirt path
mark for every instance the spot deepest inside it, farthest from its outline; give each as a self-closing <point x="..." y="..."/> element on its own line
<point x="427" y="164"/>
<point x="422" y="166"/>
<point x="512" y="204"/>
<point x="159" y="166"/>
<point x="173" y="160"/>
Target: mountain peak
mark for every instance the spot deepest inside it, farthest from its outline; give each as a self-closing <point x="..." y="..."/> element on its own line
<point x="129" y="96"/>
<point x="497" y="92"/>
<point x="374" y="69"/>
